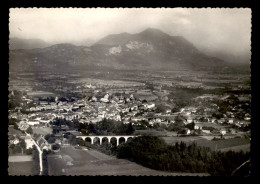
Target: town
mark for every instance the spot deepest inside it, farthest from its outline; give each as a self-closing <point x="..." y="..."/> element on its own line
<point x="210" y="116"/>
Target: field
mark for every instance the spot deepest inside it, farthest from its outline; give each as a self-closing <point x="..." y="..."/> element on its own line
<point x="20" y="165"/>
<point x="71" y="161"/>
<point x="40" y="93"/>
<point x="235" y="144"/>
<point x="110" y="83"/>
<point x="42" y="130"/>
<point x="155" y="132"/>
<point x="189" y="139"/>
<point x="12" y="131"/>
<point x="230" y="143"/>
<point x="245" y="148"/>
<point x="20" y="158"/>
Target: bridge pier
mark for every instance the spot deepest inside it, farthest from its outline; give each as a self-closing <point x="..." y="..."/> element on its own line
<point x="117" y="141"/>
<point x="100" y="139"/>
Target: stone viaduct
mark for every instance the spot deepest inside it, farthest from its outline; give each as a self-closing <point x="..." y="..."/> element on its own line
<point x="126" y="137"/>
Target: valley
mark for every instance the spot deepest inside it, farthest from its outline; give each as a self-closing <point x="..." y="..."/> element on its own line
<point x="151" y="85"/>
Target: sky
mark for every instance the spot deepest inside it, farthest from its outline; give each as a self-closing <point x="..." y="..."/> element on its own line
<point x="211" y="29"/>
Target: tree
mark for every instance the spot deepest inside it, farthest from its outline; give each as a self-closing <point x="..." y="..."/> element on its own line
<point x="130" y="129"/>
<point x="55" y="130"/>
<point x="150" y="86"/>
<point x="13" y="122"/>
<point x="31" y="104"/>
<point x="63" y="99"/>
<point x="217" y="115"/>
<point x="144" y="101"/>
<point x="55" y="146"/>
<point x="22" y="144"/>
<point x="51" y="140"/>
<point x="16" y="148"/>
<point x="29" y="151"/>
<point x="233" y="100"/>
<point x="81" y="142"/>
<point x="72" y="139"/>
<point x="47" y="136"/>
<point x="175" y="109"/>
<point x="29" y="130"/>
<point x="178" y="119"/>
<point x="190" y="126"/>
<point x="66" y="135"/>
<point x="160" y="109"/>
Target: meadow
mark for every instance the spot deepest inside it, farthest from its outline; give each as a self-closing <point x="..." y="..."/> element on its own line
<point x="20" y="168"/>
<point x="235" y="144"/>
<point x="40" y="93"/>
<point x="42" y="130"/>
<point x="71" y="161"/>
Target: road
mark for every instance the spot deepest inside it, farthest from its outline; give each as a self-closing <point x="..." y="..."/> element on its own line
<point x="39" y="150"/>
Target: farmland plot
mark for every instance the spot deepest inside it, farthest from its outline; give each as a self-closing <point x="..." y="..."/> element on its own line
<point x="235" y="144"/>
<point x="70" y="161"/>
<point x="20" y="165"/>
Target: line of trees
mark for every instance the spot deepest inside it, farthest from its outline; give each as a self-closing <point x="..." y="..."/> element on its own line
<point x="14" y="100"/>
<point x="104" y="127"/>
<point x="44" y="163"/>
<point x="50" y="138"/>
<point x="154" y="153"/>
<point x="107" y="127"/>
<point x="36" y="163"/>
<point x="57" y="124"/>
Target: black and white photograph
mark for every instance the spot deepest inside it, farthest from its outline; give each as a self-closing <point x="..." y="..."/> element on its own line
<point x="129" y="92"/>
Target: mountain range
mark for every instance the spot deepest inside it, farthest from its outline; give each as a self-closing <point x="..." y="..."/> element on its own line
<point x="150" y="49"/>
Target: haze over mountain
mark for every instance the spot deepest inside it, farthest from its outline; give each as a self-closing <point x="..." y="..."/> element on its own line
<point x="18" y="43"/>
<point x="150" y="49"/>
<point x="232" y="58"/>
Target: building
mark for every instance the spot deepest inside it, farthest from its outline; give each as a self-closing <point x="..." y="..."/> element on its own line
<point x="43" y="144"/>
<point x="196" y="127"/>
<point x="28" y="141"/>
<point x="206" y="131"/>
<point x="189" y="120"/>
<point x="223" y="131"/>
<point x="32" y="123"/>
<point x="168" y="111"/>
<point x="230" y="121"/>
<point x="221" y="121"/>
<point x="188" y="132"/>
<point x="14" y="141"/>
<point x="105" y="98"/>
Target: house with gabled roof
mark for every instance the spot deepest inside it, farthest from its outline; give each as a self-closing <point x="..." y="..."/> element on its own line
<point x="43" y="144"/>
